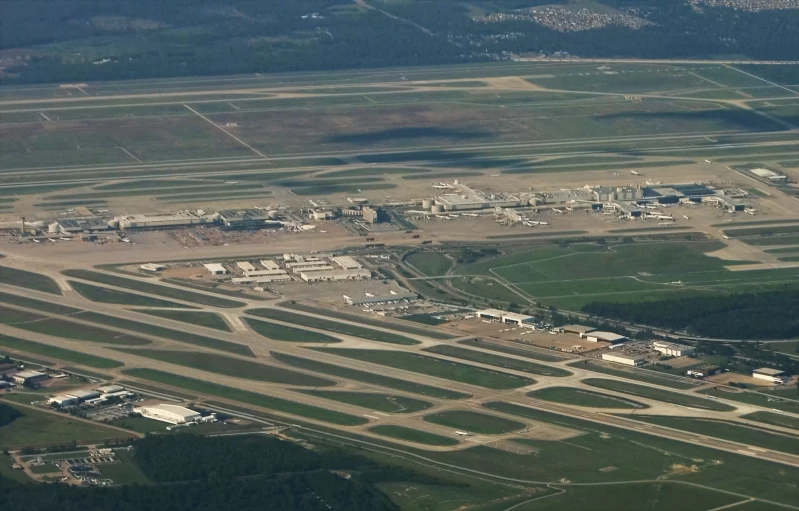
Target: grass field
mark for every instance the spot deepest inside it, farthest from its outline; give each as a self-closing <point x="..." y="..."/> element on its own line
<point x="155" y="289"/>
<point x="168" y="333"/>
<point x="206" y="319"/>
<point x="67" y="329"/>
<point x="367" y="377"/>
<point x="109" y="295"/>
<point x="413" y="435"/>
<point x="757" y="398"/>
<point x="580" y="397"/>
<point x="430" y="263"/>
<point x="39" y="429"/>
<point x="474" y="422"/>
<point x="333" y="326"/>
<point x="767" y="439"/>
<point x="28" y="280"/>
<point x="140" y="424"/>
<point x="682" y="399"/>
<point x="158" y="390"/>
<point x="439" y="368"/>
<point x="775" y="419"/>
<point x="375" y="401"/>
<point x="57" y="353"/>
<point x="238" y="368"/>
<point x="287" y="333"/>
<point x="510" y="350"/>
<point x="244" y="396"/>
<point x="647" y="377"/>
<point x="126" y="472"/>
<point x="409" y="328"/>
<point x="497" y="360"/>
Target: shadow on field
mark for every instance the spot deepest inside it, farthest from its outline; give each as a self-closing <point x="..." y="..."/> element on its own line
<point x="724" y="119"/>
<point x="407" y="134"/>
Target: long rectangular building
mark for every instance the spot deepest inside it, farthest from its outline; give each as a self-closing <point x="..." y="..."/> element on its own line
<point x="321" y="276"/>
<point x="505" y="316"/>
<point x="269" y="264"/>
<point x="245" y="266"/>
<point x="621" y="358"/>
<point x="347" y="262"/>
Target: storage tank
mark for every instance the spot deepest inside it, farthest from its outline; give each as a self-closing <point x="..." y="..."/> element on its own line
<point x="427" y="203"/>
<point x="437" y="208"/>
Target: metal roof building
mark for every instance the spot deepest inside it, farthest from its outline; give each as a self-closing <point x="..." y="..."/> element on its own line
<point x="621" y="358"/>
<point x="505" y="316"/>
<point x="216" y="268"/>
<point x="173" y="414"/>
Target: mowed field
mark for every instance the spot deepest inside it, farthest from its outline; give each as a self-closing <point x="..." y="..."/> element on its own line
<point x="319" y="138"/>
<point x="571" y="276"/>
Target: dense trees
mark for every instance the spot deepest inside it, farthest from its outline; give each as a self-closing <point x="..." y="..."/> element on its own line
<point x="8" y="414"/>
<point x="767" y="315"/>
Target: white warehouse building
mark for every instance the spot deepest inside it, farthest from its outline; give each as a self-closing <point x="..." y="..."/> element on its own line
<point x="505" y="317"/>
<point x="173" y="414"/>
<point x="621" y="358"/>
<point x="674" y="350"/>
<point x="768" y="374"/>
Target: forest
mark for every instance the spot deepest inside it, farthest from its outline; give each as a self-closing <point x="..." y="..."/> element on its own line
<point x="244" y="473"/>
<point x="77" y="40"/>
<point x="767" y="315"/>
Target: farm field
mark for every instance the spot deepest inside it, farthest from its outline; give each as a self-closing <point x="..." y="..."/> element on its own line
<point x="413" y="435"/>
<point x="434" y="367"/>
<point x="682" y="399"/>
<point x="497" y="360"/>
<point x="229" y="366"/>
<point x="244" y="396"/>
<point x="580" y="397"/>
<point x="380" y="402"/>
<point x="367" y="377"/>
<point x="333" y="326"/>
<point x="474" y="422"/>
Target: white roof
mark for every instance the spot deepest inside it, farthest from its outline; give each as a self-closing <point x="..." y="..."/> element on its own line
<point x="768" y="371"/>
<point x="606" y="336"/>
<point x="623" y="356"/>
<point x="28" y="374"/>
<point x="269" y="264"/>
<point x="215" y="268"/>
<point x="106" y="389"/>
<point x="505" y="314"/>
<point x="764" y="172"/>
<point x="245" y="265"/>
<point x="180" y="411"/>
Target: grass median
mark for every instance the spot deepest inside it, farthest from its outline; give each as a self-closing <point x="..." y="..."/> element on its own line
<point x="28" y="280"/>
<point x="206" y="319"/>
<point x="107" y="295"/>
<point x="436" y="367"/>
<point x="497" y="360"/>
<point x="373" y="400"/>
<point x="651" y="377"/>
<point x="333" y="326"/>
<point x="413" y="435"/>
<point x="580" y="397"/>
<point x="474" y="422"/>
<point x="75" y="357"/>
<point x="244" y="396"/>
<point x="279" y="332"/>
<point x="367" y="377"/>
<point x="689" y="400"/>
<point x="229" y="366"/>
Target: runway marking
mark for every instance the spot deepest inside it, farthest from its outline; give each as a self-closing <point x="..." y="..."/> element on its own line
<point x="234" y="106"/>
<point x="371" y="417"/>
<point x="223" y="130"/>
<point x="381" y="413"/>
<point x="734" y="504"/>
<point x="129" y="154"/>
<point x="45" y="116"/>
<point x="367" y="98"/>
<point x="763" y="79"/>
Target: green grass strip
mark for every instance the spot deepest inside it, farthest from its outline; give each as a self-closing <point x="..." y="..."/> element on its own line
<point x="108" y="295"/>
<point x="666" y="396"/>
<point x="413" y="435"/>
<point x="244" y="396"/>
<point x="28" y="280"/>
<point x="474" y="422"/>
<point x="497" y="360"/>
<point x="66" y="355"/>
<point x="581" y="397"/>
<point x="287" y="333"/>
<point x="206" y="319"/>
<point x="373" y="400"/>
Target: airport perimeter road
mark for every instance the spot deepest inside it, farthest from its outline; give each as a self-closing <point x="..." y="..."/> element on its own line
<point x="675" y="434"/>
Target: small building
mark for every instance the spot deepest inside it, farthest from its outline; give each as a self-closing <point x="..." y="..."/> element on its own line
<point x="215" y="268"/>
<point x="245" y="266"/>
<point x="597" y="335"/>
<point x="269" y="264"/>
<point x="393" y="297"/>
<point x="672" y="349"/>
<point x="621" y="358"/>
<point x="172" y="414"/>
<point x="347" y="262"/>
<point x="322" y="215"/>
<point x="152" y="267"/>
<point x="84" y="395"/>
<point x="505" y="317"/>
<point x="62" y="401"/>
<point x="373" y="215"/>
<point x="29" y="377"/>
<point x="769" y="374"/>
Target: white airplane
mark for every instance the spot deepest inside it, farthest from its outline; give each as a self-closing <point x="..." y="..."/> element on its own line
<point x="708" y="161"/>
<point x="35" y="241"/>
<point x="462" y="433"/>
<point x="686" y="217"/>
<point x="635" y="173"/>
<point x="556" y="210"/>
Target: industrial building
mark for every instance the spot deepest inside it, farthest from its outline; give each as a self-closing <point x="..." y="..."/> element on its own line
<point x="373" y="215"/>
<point x="580" y="330"/>
<point x="390" y="298"/>
<point x="270" y="264"/>
<point x="263" y="279"/>
<point x="321" y="276"/>
<point x="83" y="395"/>
<point x="247" y="218"/>
<point x="322" y="215"/>
<point x="476" y="200"/>
<point x="769" y="174"/>
<point x="621" y="358"/>
<point x="110" y="389"/>
<point x="245" y="266"/>
<point x="265" y="273"/>
<point x="173" y="414"/>
<point x="29" y="377"/>
<point x="215" y="268"/>
<point x="771" y="375"/>
<point x="505" y="317"/>
<point x="671" y="349"/>
<point x="62" y="401"/>
<point x="75" y="225"/>
<point x="347" y="262"/>
<point x="160" y="221"/>
<point x="597" y="336"/>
